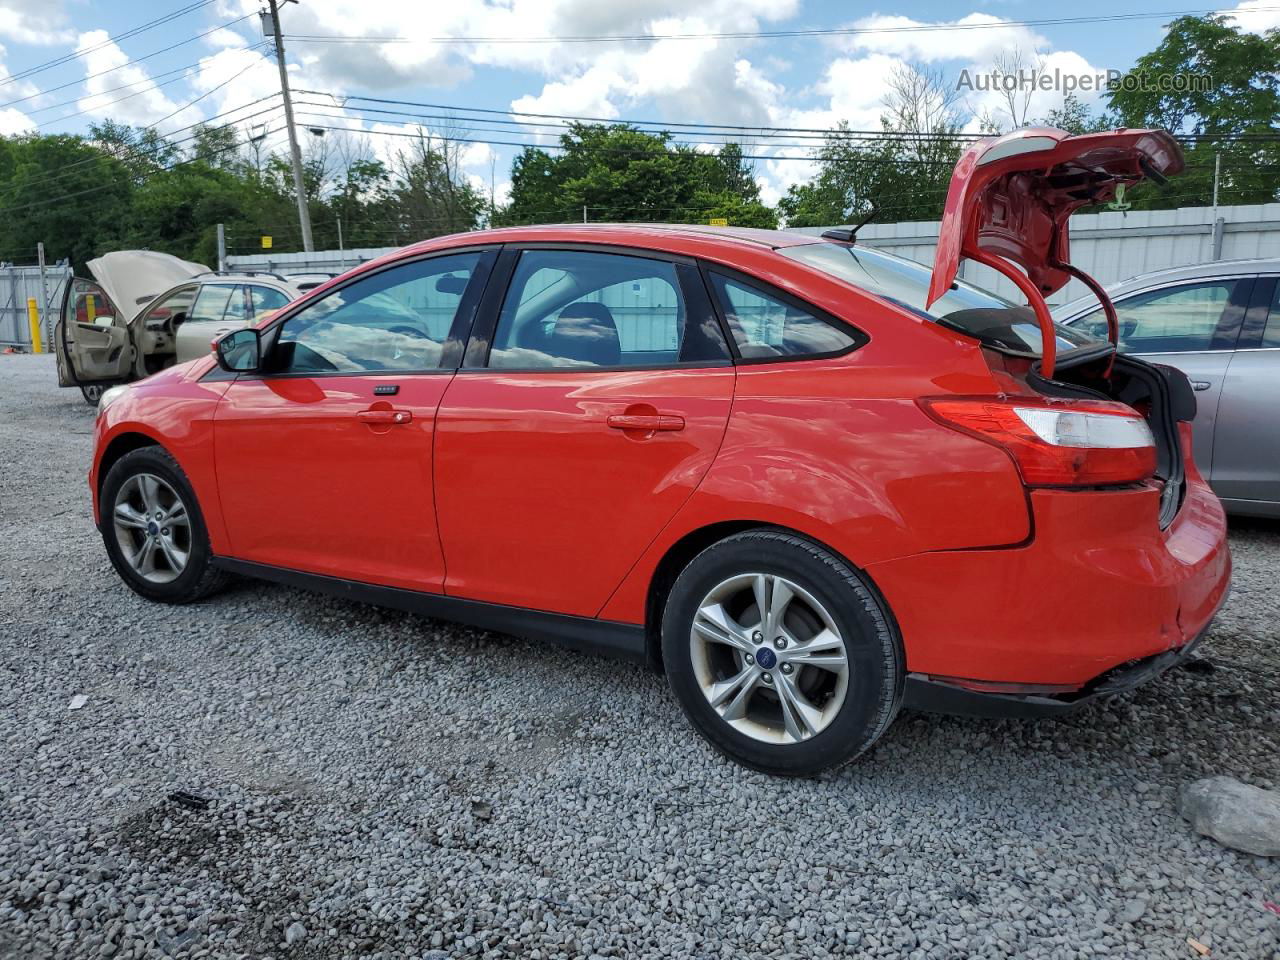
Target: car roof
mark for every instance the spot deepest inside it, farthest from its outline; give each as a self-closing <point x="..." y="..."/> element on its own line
<point x="1154" y="278"/>
<point x="632" y="234"/>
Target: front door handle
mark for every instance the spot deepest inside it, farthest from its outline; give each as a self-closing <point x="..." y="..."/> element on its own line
<point x="1199" y="385"/>
<point x="385" y="416"/>
<point x="646" y="423"/>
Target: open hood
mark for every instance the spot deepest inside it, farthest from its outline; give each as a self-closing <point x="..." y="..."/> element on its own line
<point x="1010" y="198"/>
<point x="132" y="278"/>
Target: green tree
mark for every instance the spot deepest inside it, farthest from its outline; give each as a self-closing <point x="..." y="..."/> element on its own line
<point x="1240" y="98"/>
<point x="619" y="173"/>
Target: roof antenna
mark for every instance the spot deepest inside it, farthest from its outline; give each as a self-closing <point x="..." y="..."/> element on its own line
<point x="850" y="235"/>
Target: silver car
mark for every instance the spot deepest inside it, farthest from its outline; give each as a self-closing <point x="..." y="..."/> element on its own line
<point x="144" y="311"/>
<point x="1220" y="324"/>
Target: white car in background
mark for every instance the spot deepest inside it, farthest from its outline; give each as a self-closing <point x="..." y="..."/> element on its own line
<point x="144" y="311"/>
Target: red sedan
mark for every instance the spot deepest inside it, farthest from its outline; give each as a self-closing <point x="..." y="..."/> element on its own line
<point x="810" y="481"/>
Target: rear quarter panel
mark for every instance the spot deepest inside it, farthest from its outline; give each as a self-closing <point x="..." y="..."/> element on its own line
<point x="838" y="449"/>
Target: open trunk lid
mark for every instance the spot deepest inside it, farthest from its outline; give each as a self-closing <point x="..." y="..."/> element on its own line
<point x="133" y="278"/>
<point x="1010" y="198"/>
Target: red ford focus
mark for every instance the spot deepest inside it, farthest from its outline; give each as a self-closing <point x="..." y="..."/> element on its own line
<point x="810" y="481"/>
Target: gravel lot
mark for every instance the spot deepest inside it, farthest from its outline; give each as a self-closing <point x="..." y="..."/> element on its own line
<point x="387" y="786"/>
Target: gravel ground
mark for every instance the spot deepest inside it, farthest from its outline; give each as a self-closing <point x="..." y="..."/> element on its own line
<point x="386" y="786"/>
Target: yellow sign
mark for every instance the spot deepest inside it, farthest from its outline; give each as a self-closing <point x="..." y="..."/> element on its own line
<point x="266" y="243"/>
<point x="718" y="222"/>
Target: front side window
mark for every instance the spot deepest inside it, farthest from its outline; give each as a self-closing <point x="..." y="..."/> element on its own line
<point x="1181" y="319"/>
<point x="395" y="319"/>
<point x="172" y="309"/>
<point x="766" y="326"/>
<point x="573" y="308"/>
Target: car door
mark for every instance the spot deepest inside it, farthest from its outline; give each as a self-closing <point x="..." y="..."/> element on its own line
<point x="1246" y="452"/>
<point x="593" y="399"/>
<point x="1191" y="325"/>
<point x="324" y="459"/>
<point x="207" y="320"/>
<point x="92" y="341"/>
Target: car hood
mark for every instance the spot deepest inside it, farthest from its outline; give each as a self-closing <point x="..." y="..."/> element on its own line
<point x="132" y="278"/>
<point x="1010" y="196"/>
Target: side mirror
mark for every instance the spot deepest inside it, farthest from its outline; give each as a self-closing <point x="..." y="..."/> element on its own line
<point x="239" y="351"/>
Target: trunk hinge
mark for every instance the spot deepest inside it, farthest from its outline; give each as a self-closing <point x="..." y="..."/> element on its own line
<point x="1035" y="299"/>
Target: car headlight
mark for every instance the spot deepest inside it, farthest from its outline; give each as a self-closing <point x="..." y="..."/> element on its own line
<point x="111" y="395"/>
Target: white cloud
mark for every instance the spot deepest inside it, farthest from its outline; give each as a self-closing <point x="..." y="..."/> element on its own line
<point x="1256" y="16"/>
<point x="142" y="104"/>
<point x="921" y="41"/>
<point x="34" y="22"/>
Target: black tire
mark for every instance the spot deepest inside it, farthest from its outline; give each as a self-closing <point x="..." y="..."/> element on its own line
<point x="199" y="578"/>
<point x="876" y="665"/>
<point x="92" y="393"/>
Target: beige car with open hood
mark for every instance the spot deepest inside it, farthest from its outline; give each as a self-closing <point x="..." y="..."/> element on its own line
<point x="144" y="311"/>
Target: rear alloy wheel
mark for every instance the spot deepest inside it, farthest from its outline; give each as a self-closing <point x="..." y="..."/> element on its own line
<point x="92" y="393"/>
<point x="781" y="655"/>
<point x="153" y="529"/>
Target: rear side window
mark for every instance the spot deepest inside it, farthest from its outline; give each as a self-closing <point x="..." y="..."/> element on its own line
<point x="765" y="326"/>
<point x="1181" y="319"/>
<point x="575" y="308"/>
<point x="211" y="303"/>
<point x="266" y="299"/>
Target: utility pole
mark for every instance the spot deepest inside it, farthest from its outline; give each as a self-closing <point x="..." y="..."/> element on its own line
<point x="222" y="248"/>
<point x="295" y="154"/>
<point x="44" y="294"/>
<point x="342" y="254"/>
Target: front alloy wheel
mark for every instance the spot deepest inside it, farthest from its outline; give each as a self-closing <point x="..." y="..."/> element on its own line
<point x="152" y="528"/>
<point x="782" y="656"/>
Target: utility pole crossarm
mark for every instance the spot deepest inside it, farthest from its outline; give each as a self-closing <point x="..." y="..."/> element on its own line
<point x="295" y="154"/>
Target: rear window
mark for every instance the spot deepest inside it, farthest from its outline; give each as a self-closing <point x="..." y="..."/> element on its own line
<point x="966" y="308"/>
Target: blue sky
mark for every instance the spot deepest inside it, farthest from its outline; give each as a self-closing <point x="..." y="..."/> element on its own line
<point x="751" y="81"/>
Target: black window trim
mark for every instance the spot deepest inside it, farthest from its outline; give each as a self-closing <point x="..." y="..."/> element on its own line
<point x="1258" y="314"/>
<point x="451" y="349"/>
<point x="860" y="338"/>
<point x="692" y="290"/>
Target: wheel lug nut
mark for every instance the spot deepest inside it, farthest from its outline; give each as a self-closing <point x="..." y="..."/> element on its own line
<point x="159" y="514"/>
<point x="757" y="637"/>
<point x="780" y="643"/>
<point x="750" y="659"/>
<point x="767" y="678"/>
<point x="787" y="668"/>
<point x="165" y="531"/>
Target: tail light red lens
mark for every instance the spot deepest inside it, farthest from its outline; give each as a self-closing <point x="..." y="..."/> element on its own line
<point x="1057" y="443"/>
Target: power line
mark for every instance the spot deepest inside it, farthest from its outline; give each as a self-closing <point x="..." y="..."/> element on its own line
<point x="104" y="186"/>
<point x="131" y="62"/>
<point x="764" y="34"/>
<point x="132" y="32"/>
<point x="460" y="114"/>
<point x="138" y="93"/>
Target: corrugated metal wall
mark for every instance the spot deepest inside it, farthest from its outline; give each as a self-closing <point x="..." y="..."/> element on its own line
<point x="1112" y="246"/>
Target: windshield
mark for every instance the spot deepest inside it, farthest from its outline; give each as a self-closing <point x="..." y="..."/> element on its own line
<point x="969" y="309"/>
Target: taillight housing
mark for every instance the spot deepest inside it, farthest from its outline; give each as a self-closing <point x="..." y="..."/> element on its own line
<point x="1057" y="443"/>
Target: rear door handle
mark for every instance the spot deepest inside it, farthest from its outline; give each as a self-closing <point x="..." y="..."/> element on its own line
<point x="385" y="416"/>
<point x="650" y="423"/>
<point x="1200" y="385"/>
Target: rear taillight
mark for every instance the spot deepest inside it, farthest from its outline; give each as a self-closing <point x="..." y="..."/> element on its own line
<point x="1057" y="443"/>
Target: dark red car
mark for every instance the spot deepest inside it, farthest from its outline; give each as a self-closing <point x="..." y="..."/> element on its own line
<point x="810" y="481"/>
